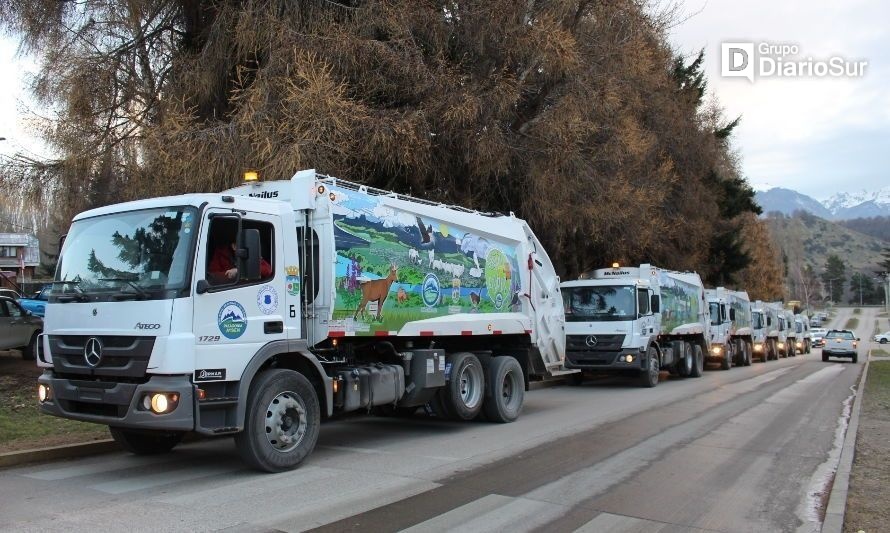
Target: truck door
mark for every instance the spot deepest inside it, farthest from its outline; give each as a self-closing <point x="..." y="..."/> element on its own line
<point x="235" y="316"/>
<point x="646" y="317"/>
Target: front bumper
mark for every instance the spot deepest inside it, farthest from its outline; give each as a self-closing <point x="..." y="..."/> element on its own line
<point x="840" y="353"/>
<point x="607" y="361"/>
<point x="120" y="404"/>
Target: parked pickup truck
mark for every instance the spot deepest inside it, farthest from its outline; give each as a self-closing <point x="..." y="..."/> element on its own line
<point x="840" y="343"/>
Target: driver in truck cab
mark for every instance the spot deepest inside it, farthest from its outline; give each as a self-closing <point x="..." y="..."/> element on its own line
<point x="223" y="265"/>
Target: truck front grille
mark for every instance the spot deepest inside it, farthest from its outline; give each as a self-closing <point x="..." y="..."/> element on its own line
<point x="123" y="358"/>
<point x="594" y="343"/>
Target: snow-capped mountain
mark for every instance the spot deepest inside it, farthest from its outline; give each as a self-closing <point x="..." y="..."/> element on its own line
<point x="841" y="206"/>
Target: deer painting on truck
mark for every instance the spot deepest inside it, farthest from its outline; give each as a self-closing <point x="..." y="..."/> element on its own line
<point x="376" y="291"/>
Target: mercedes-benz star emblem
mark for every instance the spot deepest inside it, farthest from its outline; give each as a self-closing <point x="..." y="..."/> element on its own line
<point x="590" y="341"/>
<point x="92" y="352"/>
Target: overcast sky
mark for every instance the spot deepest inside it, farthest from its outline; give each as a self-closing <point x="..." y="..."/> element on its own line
<point x="815" y="135"/>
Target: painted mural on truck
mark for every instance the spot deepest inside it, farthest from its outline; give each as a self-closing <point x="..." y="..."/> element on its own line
<point x="680" y="302"/>
<point x="742" y="312"/>
<point x="394" y="267"/>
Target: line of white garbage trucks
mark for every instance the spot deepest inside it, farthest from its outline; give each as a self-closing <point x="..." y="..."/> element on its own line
<point x="259" y="311"/>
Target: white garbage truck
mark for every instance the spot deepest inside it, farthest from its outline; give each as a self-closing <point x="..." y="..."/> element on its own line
<point x="804" y="336"/>
<point x="765" y="330"/>
<point x="262" y="310"/>
<point x="731" y="334"/>
<point x="636" y="321"/>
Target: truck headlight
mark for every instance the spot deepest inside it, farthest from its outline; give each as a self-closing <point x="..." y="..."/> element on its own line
<point x="44" y="393"/>
<point x="758" y="347"/>
<point x="715" y="350"/>
<point x="160" y="402"/>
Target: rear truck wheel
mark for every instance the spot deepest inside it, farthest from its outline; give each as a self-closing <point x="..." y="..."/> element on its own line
<point x="464" y="393"/>
<point x="282" y="421"/>
<point x="726" y="362"/>
<point x="649" y="378"/>
<point x="686" y="364"/>
<point x="146" y="442"/>
<point x="809" y="347"/>
<point x="699" y="367"/>
<point x="506" y="386"/>
<point x="824" y="357"/>
<point x="29" y="352"/>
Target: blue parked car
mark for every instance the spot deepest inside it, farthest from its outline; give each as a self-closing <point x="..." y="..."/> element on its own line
<point x="37" y="303"/>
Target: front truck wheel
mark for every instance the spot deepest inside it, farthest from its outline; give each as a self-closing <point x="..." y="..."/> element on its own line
<point x="146" y="442"/>
<point x="282" y="421"/>
<point x="506" y="386"/>
<point x="698" y="367"/>
<point x="649" y="378"/>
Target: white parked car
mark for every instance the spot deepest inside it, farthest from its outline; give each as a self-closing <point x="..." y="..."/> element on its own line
<point x="883" y="338"/>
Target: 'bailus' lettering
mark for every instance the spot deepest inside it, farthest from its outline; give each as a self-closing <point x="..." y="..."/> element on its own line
<point x="264" y="194"/>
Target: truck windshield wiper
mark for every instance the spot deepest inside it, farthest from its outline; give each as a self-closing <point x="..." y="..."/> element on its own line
<point x="139" y="290"/>
<point x="77" y="296"/>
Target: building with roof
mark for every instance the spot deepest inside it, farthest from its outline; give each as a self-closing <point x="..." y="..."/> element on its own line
<point x="19" y="258"/>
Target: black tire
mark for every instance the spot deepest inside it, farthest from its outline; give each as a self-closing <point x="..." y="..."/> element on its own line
<point x="699" y="368"/>
<point x="726" y="362"/>
<point x="505" y="384"/>
<point x="282" y="407"/>
<point x="749" y="352"/>
<point x="686" y="364"/>
<point x="809" y="347"/>
<point x="824" y="357"/>
<point x="649" y="378"/>
<point x="576" y="379"/>
<point x="146" y="442"/>
<point x="29" y="352"/>
<point x="883" y="341"/>
<point x="855" y="358"/>
<point x="464" y="393"/>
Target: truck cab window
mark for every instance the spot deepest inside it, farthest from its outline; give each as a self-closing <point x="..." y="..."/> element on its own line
<point x="222" y="260"/>
<point x="643" y="301"/>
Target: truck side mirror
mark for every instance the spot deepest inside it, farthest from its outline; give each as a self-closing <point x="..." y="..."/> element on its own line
<point x="654" y="303"/>
<point x="769" y="321"/>
<point x="732" y="314"/>
<point x="202" y="286"/>
<point x="249" y="254"/>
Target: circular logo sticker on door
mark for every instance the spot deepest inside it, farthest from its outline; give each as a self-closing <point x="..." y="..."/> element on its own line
<point x="267" y="300"/>
<point x="232" y="320"/>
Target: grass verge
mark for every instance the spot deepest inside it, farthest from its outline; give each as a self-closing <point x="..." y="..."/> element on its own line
<point x="22" y="425"/>
<point x="869" y="490"/>
<point x="880" y="351"/>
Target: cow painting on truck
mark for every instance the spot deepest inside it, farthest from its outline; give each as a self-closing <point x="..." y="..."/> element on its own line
<point x="372" y="300"/>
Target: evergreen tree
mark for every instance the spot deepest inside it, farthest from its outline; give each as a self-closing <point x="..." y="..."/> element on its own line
<point x="834" y="277"/>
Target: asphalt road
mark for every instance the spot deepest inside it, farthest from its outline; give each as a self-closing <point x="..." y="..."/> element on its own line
<point x="750" y="449"/>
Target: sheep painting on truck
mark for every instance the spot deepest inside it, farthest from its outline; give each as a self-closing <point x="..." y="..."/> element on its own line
<point x="368" y="300"/>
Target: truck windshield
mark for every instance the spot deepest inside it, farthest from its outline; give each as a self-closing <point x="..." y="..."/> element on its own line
<point x="757" y="320"/>
<point x="715" y="313"/>
<point x="143" y="254"/>
<point x="591" y="304"/>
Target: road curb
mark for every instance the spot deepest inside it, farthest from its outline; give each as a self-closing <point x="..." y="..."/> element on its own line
<point x="55" y="453"/>
<point x="837" y="500"/>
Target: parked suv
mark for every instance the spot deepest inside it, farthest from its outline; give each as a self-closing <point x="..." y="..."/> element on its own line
<point x="840" y="343"/>
<point x="883" y="338"/>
